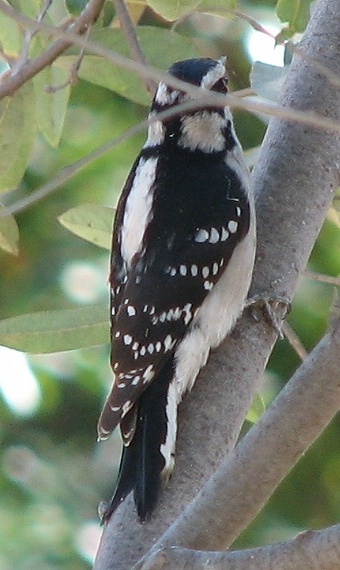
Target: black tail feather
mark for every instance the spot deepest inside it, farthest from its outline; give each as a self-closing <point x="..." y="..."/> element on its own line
<point x="142" y="462"/>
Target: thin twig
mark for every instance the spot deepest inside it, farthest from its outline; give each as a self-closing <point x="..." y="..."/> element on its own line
<point x="73" y="76"/>
<point x="294" y="554"/>
<point x="129" y="30"/>
<point x="89" y="15"/>
<point x="210" y="98"/>
<point x="292" y="48"/>
<point x="322" y="278"/>
<point x="294" y="340"/>
<point x="254" y="24"/>
<point x="29" y="35"/>
<point x="70" y="171"/>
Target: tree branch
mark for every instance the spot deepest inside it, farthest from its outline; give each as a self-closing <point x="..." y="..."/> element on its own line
<point x="247" y="478"/>
<point x="294" y="179"/>
<point x="10" y="84"/>
<point x="312" y="550"/>
<point x="25" y="72"/>
<point x="132" y="39"/>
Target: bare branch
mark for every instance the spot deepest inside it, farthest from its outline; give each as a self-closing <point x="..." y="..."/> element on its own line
<point x="69" y="171"/>
<point x="322" y="278"/>
<point x="32" y="67"/>
<point x="312" y="550"/>
<point x="296" y="418"/>
<point x="132" y="39"/>
<point x="294" y="340"/>
<point x="310" y="118"/>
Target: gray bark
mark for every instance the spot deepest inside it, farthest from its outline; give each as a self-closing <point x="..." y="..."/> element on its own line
<point x="296" y="174"/>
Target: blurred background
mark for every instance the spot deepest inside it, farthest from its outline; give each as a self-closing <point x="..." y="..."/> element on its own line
<point x="52" y="471"/>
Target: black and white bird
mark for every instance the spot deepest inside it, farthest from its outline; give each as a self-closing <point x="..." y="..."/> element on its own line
<point x="182" y="259"/>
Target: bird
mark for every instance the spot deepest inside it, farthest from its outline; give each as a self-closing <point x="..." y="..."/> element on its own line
<point x="183" y="249"/>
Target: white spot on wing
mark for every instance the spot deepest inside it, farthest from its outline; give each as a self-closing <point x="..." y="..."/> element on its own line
<point x="201" y="236"/>
<point x="126" y="407"/>
<point x="236" y="280"/>
<point x="127" y="338"/>
<point x="224" y="234"/>
<point x="148" y="374"/>
<point x="177" y="314"/>
<point x="214" y="236"/>
<point x="232" y="226"/>
<point x="170" y="314"/>
<point x="168" y="343"/>
<point x="131" y="311"/>
<point x="188" y="314"/>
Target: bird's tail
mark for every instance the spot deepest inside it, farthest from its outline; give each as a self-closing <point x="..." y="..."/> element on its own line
<point x="147" y="459"/>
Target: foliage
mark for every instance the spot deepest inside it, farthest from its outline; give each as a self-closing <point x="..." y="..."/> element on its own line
<point x="53" y="474"/>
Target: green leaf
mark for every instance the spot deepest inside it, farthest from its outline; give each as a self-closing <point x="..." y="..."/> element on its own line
<point x="91" y="222"/>
<point x="9" y="234"/>
<point x="55" y="331"/>
<point x="11" y="35"/>
<point x="256" y="409"/>
<point x="173" y="9"/>
<point x="51" y="106"/>
<point x="295" y="12"/>
<point x="267" y="80"/>
<point x="17" y="135"/>
<point x="171" y="47"/>
<point x="284" y="35"/>
<point x="31" y="9"/>
<point x="75" y="7"/>
<point x="221" y="7"/>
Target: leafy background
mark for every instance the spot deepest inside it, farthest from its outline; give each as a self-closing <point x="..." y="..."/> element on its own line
<point x="53" y="283"/>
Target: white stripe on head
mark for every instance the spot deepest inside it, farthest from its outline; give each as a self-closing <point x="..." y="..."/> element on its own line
<point x="165" y="95"/>
<point x="214" y="74"/>
<point x="156" y="132"/>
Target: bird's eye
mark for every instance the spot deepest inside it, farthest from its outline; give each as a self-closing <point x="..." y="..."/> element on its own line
<point x="221" y="86"/>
